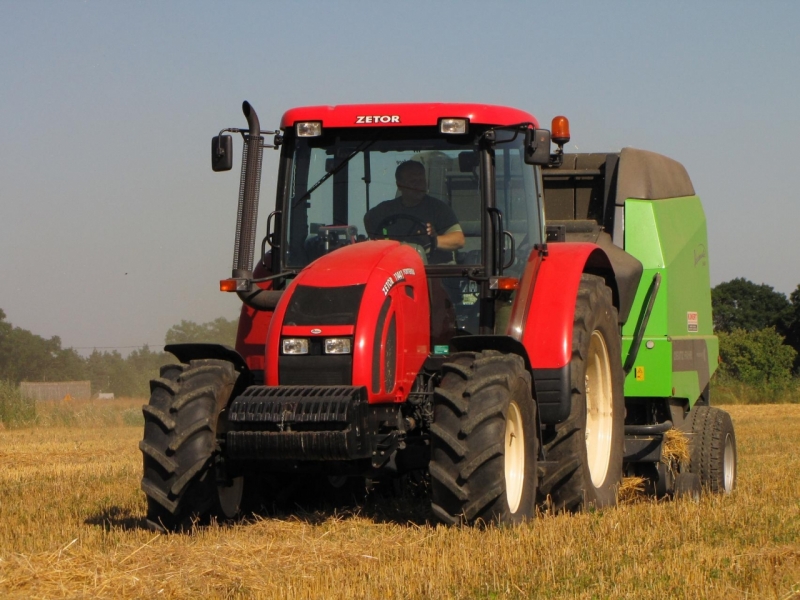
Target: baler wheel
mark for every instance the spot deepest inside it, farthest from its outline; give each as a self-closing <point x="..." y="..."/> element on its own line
<point x="180" y="446"/>
<point x="484" y="441"/>
<point x="588" y="445"/>
<point x="712" y="448"/>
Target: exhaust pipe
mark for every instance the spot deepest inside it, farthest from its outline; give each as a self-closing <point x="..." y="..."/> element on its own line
<point x="247" y="215"/>
<point x="248" y="197"/>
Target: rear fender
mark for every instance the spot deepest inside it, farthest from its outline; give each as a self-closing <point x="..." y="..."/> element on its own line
<point x="547" y="333"/>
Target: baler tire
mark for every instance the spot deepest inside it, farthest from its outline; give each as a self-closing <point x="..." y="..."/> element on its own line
<point x="712" y="448"/>
<point x="580" y="480"/>
<point x="180" y="446"/>
<point x="688" y="485"/>
<point x="480" y="472"/>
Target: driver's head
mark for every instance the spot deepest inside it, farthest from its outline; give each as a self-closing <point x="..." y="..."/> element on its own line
<point x="410" y="177"/>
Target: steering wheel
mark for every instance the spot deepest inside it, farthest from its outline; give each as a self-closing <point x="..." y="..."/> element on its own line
<point x="417" y="232"/>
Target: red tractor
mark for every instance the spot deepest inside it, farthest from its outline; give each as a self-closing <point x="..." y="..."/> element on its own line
<point x="375" y="340"/>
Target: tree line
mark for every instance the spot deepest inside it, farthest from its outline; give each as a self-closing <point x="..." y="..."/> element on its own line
<point x="759" y="332"/>
<point x="25" y="356"/>
<point x="758" y="328"/>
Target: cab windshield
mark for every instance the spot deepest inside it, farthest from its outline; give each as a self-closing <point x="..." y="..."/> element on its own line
<point x="343" y="190"/>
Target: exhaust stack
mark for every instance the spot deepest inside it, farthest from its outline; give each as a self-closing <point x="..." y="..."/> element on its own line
<point x="247" y="215"/>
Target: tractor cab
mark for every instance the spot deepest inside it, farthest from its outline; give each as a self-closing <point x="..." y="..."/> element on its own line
<point x="339" y="187"/>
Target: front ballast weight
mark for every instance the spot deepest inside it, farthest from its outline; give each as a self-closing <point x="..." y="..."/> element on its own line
<point x="311" y="423"/>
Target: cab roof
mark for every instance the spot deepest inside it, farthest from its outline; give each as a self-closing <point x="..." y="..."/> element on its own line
<point x="407" y="114"/>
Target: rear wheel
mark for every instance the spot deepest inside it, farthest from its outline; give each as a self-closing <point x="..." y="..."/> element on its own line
<point x="484" y="441"/>
<point x="180" y="447"/>
<point x="588" y="445"/>
<point x="712" y="448"/>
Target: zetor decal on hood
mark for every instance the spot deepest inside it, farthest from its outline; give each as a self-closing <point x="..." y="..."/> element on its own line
<point x="396" y="278"/>
<point x="361" y="119"/>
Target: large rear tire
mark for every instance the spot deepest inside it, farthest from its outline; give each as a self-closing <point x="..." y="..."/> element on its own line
<point x="712" y="448"/>
<point x="180" y="446"/>
<point x="484" y="441"/>
<point x="588" y="445"/>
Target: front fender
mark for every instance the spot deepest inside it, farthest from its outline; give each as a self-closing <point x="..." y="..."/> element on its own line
<point x="198" y="351"/>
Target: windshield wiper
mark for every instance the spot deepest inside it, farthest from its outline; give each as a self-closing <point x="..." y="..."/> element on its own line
<point x="366" y="144"/>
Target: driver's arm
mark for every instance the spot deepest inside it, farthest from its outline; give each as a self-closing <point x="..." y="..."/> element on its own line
<point x="452" y="239"/>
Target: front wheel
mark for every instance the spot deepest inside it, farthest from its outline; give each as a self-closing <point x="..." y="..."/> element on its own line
<point x="484" y="441"/>
<point x="183" y="476"/>
<point x="588" y="446"/>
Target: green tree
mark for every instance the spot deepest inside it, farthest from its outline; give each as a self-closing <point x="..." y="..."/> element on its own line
<point x="145" y="365"/>
<point x="125" y="377"/>
<point x="756" y="357"/>
<point x="742" y="304"/>
<point x="793" y="327"/>
<point x="25" y="356"/>
<point x="218" y="331"/>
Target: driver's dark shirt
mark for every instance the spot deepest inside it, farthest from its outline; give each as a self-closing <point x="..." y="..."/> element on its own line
<point x="428" y="210"/>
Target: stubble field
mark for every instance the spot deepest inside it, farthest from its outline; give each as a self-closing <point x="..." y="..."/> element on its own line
<point x="71" y="525"/>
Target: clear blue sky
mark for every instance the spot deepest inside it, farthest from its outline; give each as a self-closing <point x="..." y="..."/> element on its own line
<point x="113" y="227"/>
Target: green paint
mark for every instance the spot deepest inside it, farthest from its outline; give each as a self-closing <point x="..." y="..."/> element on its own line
<point x="657" y="379"/>
<point x="669" y="237"/>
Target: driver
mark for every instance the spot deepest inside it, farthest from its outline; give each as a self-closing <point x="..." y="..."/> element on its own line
<point x="415" y="215"/>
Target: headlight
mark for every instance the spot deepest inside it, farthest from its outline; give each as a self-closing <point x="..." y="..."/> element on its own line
<point x="453" y="126"/>
<point x="295" y="346"/>
<point x="337" y="345"/>
<point x="308" y="129"/>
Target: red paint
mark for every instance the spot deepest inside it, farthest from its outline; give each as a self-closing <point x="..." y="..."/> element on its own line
<point x="255" y="362"/>
<point x="548" y="331"/>
<point x="348" y="115"/>
<point x="253" y="326"/>
<point x="321" y="331"/>
<point x="386" y="268"/>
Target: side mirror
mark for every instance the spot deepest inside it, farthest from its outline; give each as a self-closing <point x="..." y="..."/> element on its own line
<point x="221" y="153"/>
<point x="537" y="147"/>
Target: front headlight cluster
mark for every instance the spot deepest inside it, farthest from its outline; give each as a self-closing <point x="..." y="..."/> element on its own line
<point x="337" y="345"/>
<point x="329" y="346"/>
<point x="295" y="346"/>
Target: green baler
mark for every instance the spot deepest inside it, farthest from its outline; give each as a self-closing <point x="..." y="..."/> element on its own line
<point x="679" y="350"/>
<point x="641" y="208"/>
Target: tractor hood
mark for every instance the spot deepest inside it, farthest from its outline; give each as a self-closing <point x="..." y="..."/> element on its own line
<point x="376" y="294"/>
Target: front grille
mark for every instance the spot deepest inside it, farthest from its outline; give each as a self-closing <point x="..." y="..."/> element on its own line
<point x="316" y="370"/>
<point x="324" y="306"/>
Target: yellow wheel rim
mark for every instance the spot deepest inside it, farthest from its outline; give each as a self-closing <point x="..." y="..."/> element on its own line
<point x="514" y="457"/>
<point x="599" y="409"/>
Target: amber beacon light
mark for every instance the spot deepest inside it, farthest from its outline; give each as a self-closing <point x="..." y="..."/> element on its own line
<point x="560" y="130"/>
